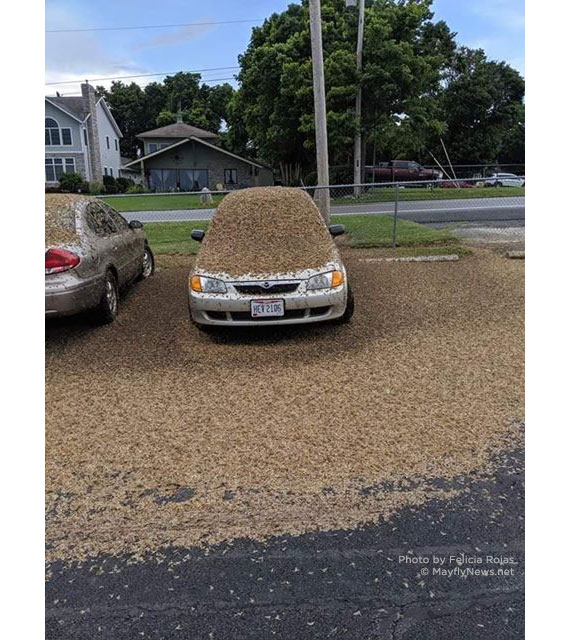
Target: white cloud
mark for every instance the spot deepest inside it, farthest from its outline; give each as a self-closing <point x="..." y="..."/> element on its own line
<point x="71" y="56"/>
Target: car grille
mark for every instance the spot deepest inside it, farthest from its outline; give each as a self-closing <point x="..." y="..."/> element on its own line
<point x="257" y="289"/>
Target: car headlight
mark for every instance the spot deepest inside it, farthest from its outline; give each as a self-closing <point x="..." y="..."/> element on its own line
<point x="202" y="284"/>
<point x="328" y="280"/>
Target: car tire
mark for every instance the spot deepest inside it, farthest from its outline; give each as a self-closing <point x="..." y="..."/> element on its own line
<point x="108" y="308"/>
<point x="349" y="311"/>
<point x="499" y="184"/>
<point x="148" y="263"/>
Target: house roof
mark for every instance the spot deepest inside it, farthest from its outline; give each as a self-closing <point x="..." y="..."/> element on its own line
<point x="72" y="105"/>
<point x="177" y="130"/>
<point x="180" y="142"/>
<point x="110" y="116"/>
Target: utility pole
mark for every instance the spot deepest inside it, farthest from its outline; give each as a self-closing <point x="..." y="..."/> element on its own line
<point x="358" y="136"/>
<point x="322" y="195"/>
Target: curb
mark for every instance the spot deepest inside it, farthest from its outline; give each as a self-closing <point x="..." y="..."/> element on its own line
<point x="443" y="258"/>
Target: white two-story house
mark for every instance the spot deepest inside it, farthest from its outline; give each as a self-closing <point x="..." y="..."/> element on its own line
<point x="81" y="137"/>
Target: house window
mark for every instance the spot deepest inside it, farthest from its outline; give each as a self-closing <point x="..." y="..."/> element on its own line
<point x="111" y="171"/>
<point x="55" y="167"/>
<point x="116" y="144"/>
<point x="105" y="172"/>
<point x="107" y="140"/>
<point x="85" y="137"/>
<point x="230" y="176"/>
<point x="152" y="147"/>
<point x="177" y="179"/>
<point x="253" y="170"/>
<point x="55" y="136"/>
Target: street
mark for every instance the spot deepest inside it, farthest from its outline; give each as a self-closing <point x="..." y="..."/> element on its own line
<point x="475" y="210"/>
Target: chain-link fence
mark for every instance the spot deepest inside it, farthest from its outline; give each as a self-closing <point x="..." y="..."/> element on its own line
<point x="496" y="198"/>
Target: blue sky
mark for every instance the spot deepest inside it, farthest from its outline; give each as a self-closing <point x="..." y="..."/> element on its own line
<point x="494" y="25"/>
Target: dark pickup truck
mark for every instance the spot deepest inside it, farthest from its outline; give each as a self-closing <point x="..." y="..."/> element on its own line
<point x="400" y="171"/>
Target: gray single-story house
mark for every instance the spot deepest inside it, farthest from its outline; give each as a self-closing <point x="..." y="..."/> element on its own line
<point x="180" y="157"/>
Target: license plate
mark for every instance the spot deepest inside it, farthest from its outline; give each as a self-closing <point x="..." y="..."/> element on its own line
<point x="261" y="308"/>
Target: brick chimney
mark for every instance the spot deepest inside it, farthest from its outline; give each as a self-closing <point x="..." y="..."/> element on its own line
<point x="89" y="102"/>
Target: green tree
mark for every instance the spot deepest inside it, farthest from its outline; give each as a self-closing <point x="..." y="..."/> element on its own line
<point x="137" y="110"/>
<point x="130" y="107"/>
<point x="403" y="55"/>
<point x="482" y="104"/>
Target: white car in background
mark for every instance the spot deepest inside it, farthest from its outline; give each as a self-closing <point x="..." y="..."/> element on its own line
<point x="504" y="180"/>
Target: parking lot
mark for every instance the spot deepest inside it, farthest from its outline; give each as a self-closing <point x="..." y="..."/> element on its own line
<point x="161" y="436"/>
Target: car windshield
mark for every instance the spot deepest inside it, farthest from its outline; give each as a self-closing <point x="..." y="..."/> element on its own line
<point x="60" y="219"/>
<point x="266" y="230"/>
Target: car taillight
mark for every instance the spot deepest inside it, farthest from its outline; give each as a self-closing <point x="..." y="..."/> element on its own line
<point x="58" y="260"/>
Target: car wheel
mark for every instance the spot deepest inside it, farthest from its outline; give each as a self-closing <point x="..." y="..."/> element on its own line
<point x="148" y="263"/>
<point x="108" y="308"/>
<point x="349" y="311"/>
<point x="499" y="184"/>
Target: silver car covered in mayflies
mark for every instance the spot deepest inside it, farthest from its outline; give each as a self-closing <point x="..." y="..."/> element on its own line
<point x="268" y="258"/>
<point x="91" y="254"/>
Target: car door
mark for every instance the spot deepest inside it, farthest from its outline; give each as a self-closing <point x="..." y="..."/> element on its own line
<point x="131" y="243"/>
<point x="108" y="241"/>
<point x="415" y="171"/>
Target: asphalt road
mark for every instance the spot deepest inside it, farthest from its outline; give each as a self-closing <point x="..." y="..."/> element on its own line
<point x="476" y="210"/>
<point x="357" y="585"/>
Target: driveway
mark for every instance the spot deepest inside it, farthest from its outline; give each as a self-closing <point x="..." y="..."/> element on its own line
<point x="193" y="482"/>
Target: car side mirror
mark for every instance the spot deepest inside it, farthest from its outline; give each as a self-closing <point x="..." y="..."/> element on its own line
<point x="336" y="229"/>
<point x="197" y="234"/>
<point x="135" y="224"/>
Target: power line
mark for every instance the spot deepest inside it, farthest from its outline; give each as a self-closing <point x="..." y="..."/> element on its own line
<point x="204" y="80"/>
<point x="142" y="75"/>
<point x="153" y="26"/>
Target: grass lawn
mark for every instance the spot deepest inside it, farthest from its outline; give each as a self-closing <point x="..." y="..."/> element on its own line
<point x="173" y="238"/>
<point x="162" y="202"/>
<point x="386" y="194"/>
<point x="376" y="231"/>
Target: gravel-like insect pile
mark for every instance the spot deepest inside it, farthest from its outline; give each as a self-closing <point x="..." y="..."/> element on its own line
<point x="288" y="230"/>
<point x="158" y="435"/>
<point x="60" y="219"/>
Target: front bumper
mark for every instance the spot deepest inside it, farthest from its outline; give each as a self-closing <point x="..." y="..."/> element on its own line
<point x="70" y="298"/>
<point x="232" y="309"/>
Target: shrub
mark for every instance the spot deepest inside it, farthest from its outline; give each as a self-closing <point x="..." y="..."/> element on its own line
<point x="70" y="182"/>
<point x="123" y="184"/>
<point x="136" y="188"/>
<point x="110" y="184"/>
<point x="96" y="188"/>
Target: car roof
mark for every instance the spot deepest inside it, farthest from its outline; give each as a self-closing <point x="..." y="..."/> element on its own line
<point x="266" y="230"/>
